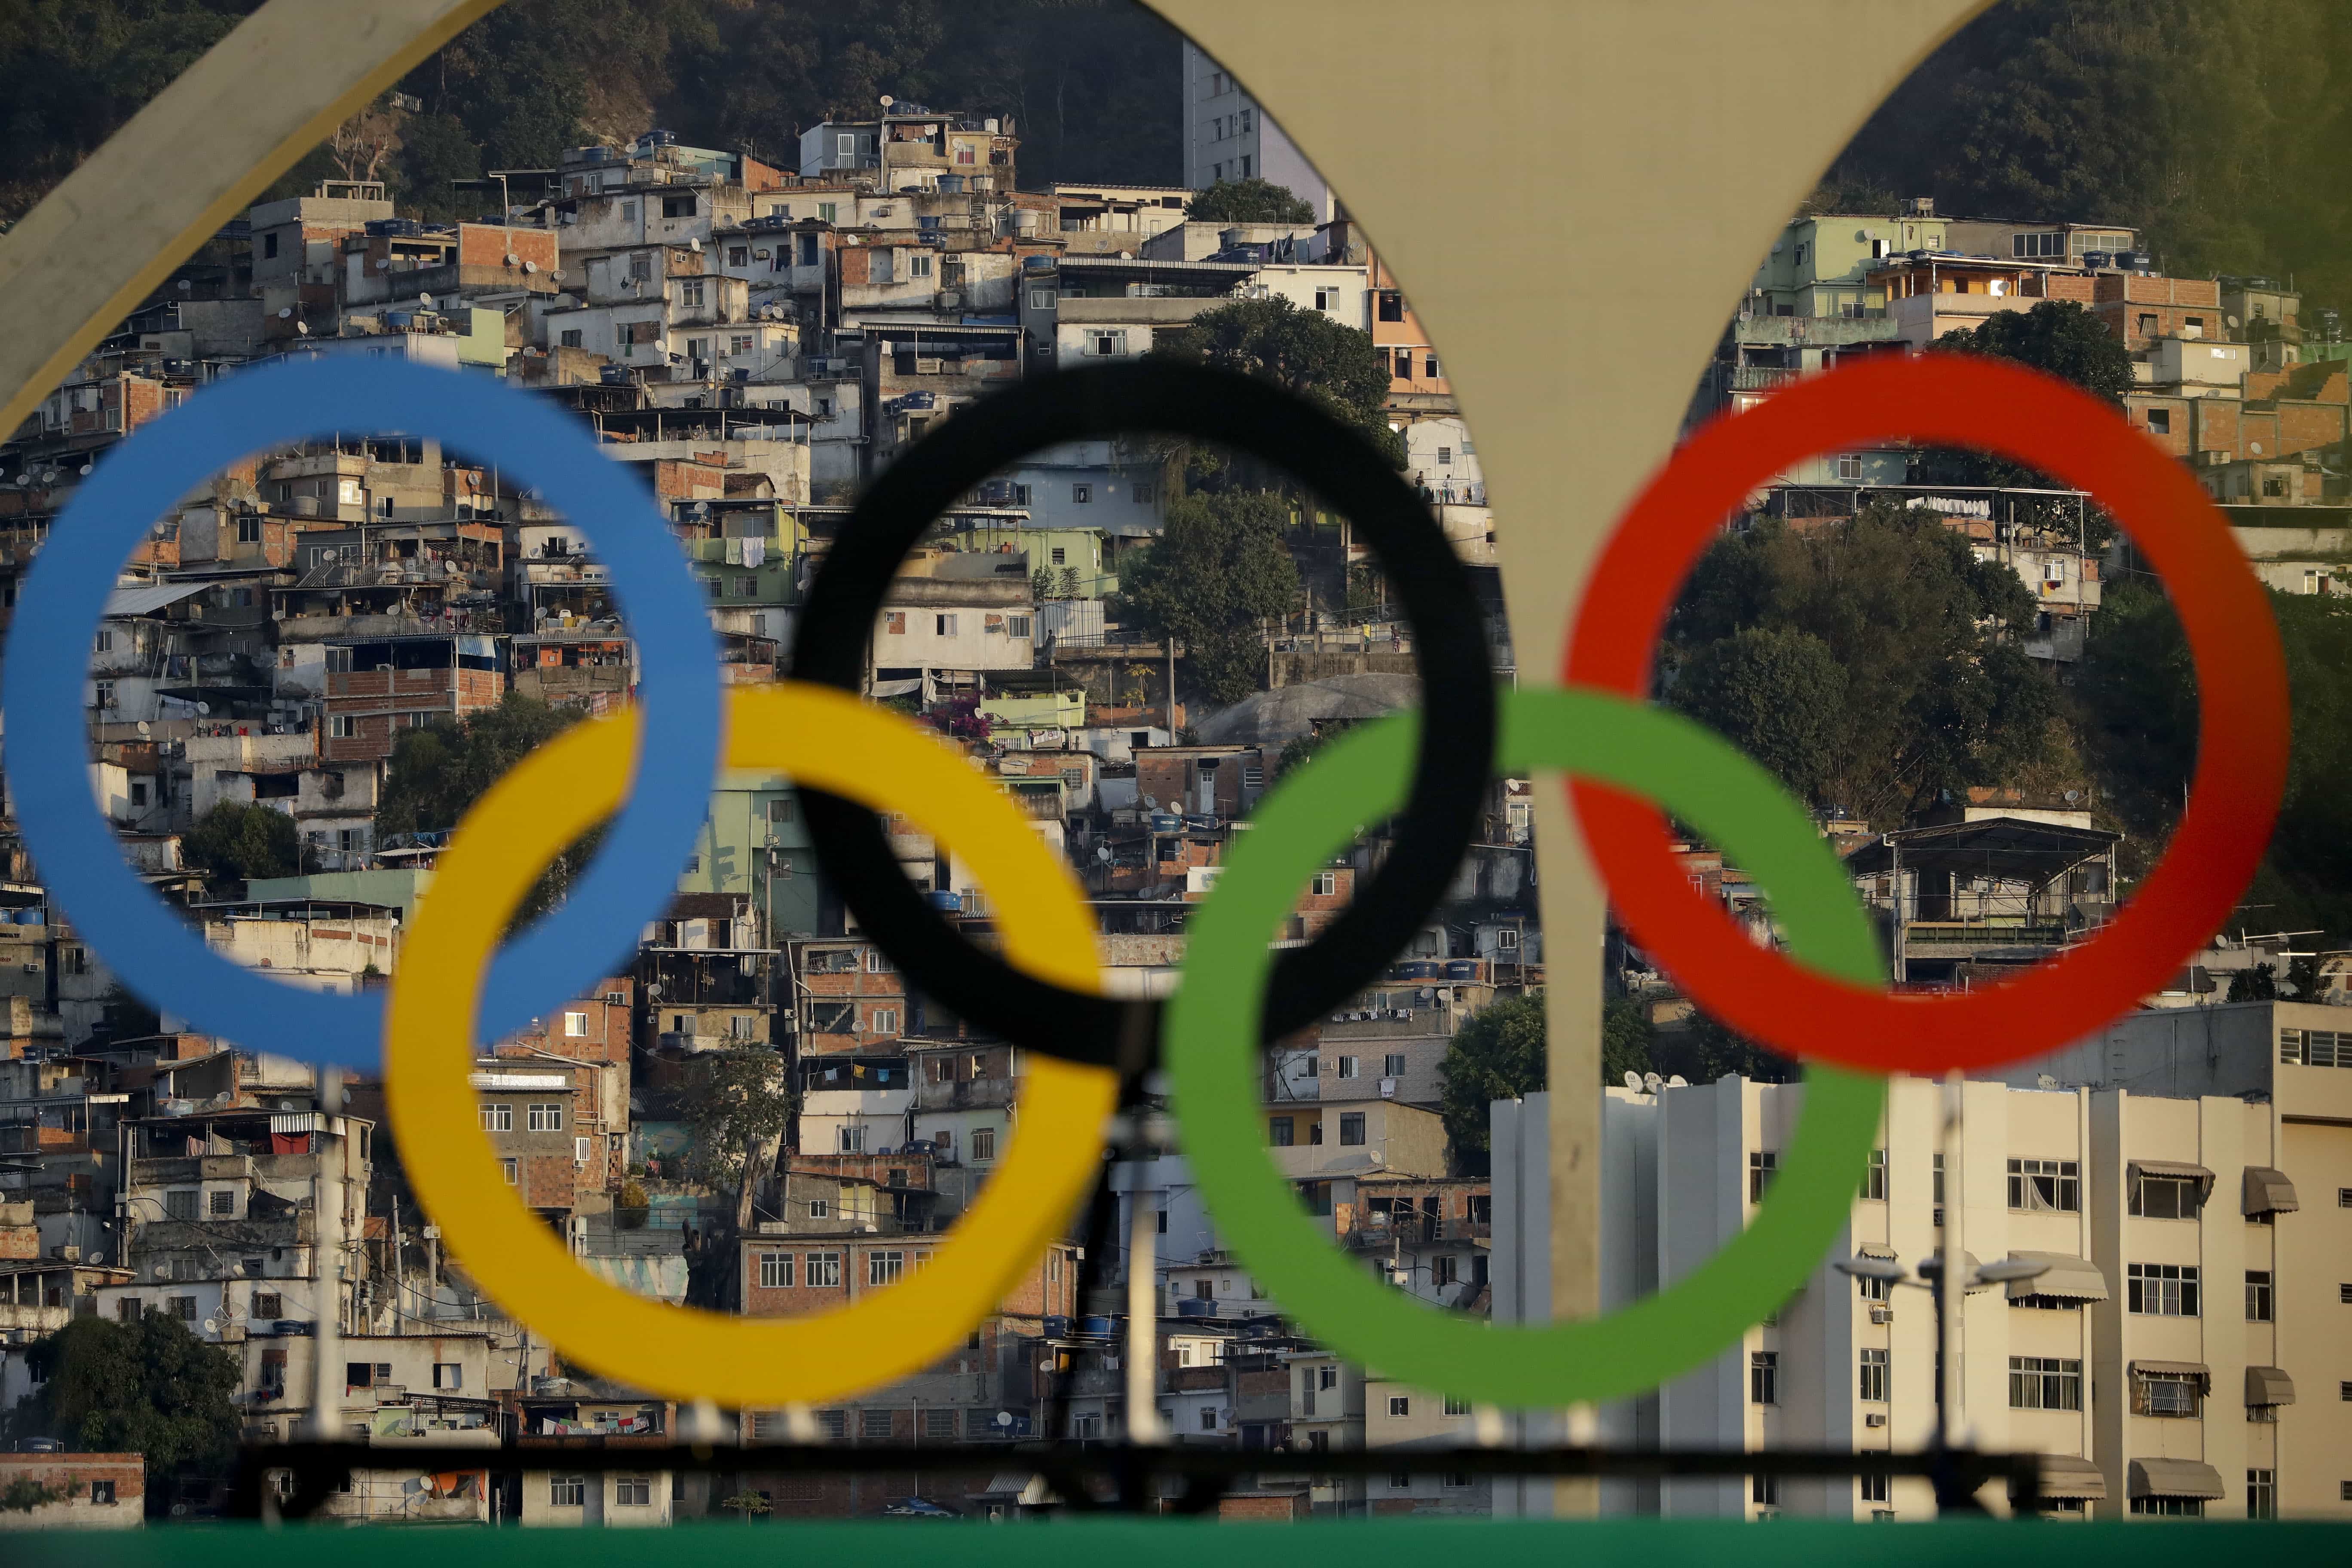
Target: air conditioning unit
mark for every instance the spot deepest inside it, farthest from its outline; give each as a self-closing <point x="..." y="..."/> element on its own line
<point x="1873" y="1419"/>
<point x="1882" y="1314"/>
<point x="926" y="368"/>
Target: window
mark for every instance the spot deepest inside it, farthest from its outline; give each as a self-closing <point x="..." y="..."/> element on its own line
<point x="567" y="1491"/>
<point x="2260" y="1302"/>
<point x="103" y="1493"/>
<point x="2166" y="1197"/>
<point x="1082" y="494"/>
<point x="2261" y="1494"/>
<point x="2159" y="421"/>
<point x="1327" y="298"/>
<point x="1399" y="1405"/>
<point x="689" y="294"/>
<point x="884" y="1021"/>
<point x="820" y="1208"/>
<point x="1392" y="1065"/>
<point x="877" y="1424"/>
<point x="1391" y="305"/>
<point x="1874" y="1289"/>
<point x="269" y="246"/>
<point x="497" y="1119"/>
<point x="1935" y="1185"/>
<point x="1764" y="1377"/>
<point x="1346" y="1067"/>
<point x="182" y="1307"/>
<point x="2044" y="1383"/>
<point x="1764" y="1491"/>
<point x="2161" y="1290"/>
<point x="984" y="1145"/>
<point x="1849" y="466"/>
<point x="1042" y="299"/>
<point x="918" y="264"/>
<point x="267" y="1304"/>
<point x="1351" y="1129"/>
<point x="1762" y="1164"/>
<point x="220" y="1205"/>
<point x="823" y="1271"/>
<point x="943" y="626"/>
<point x="1873" y="1180"/>
<point x="1327" y="884"/>
<point x="775" y="1270"/>
<point x="633" y="1491"/>
<point x="2174" y="1507"/>
<point x="1107" y="344"/>
<point x="2168" y="1394"/>
<point x="545" y="1117"/>
<point x="340" y="726"/>
<point x="2054" y="1185"/>
<point x="248" y="530"/>
<point x="180" y="1204"/>
<point x="2315" y="1048"/>
<point x="852" y="1140"/>
<point x="1281" y="1132"/>
<point x="1442" y="1270"/>
<point x="885" y="1267"/>
<point x="1871" y="1389"/>
<point x="582" y="1150"/>
<point x="1143" y="493"/>
<point x="448" y="1374"/>
<point x="510" y="1172"/>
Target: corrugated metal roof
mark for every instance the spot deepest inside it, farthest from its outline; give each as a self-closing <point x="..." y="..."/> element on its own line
<point x="147" y="601"/>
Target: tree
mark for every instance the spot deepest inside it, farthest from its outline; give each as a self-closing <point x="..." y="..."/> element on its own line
<point x="439" y="772"/>
<point x="2259" y="984"/>
<point x="240" y="843"/>
<point x="735" y="1104"/>
<point x="1497" y="1055"/>
<point x="1935" y="698"/>
<point x="1299" y="750"/>
<point x="1216" y="571"/>
<point x="1248" y="201"/>
<point x="2057" y="337"/>
<point x="143" y="1386"/>
<point x="1628" y="1039"/>
<point x="1305" y="353"/>
<point x="1775" y="692"/>
<point x="361" y="144"/>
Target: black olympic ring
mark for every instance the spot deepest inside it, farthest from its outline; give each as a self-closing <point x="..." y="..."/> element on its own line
<point x="1458" y="708"/>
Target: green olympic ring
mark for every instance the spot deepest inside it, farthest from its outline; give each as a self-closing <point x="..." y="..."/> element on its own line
<point x="1213" y="1058"/>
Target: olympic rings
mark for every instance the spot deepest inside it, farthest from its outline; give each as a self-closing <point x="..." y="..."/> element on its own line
<point x="1213" y="1035"/>
<point x="151" y="947"/>
<point x="2242" y="753"/>
<point x="1437" y="823"/>
<point x="561" y="790"/>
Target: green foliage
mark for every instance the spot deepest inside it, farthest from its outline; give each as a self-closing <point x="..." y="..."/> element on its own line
<point x="1299" y="750"/>
<point x="25" y="1494"/>
<point x="439" y="772"/>
<point x="239" y="843"/>
<point x="1497" y="1055"/>
<point x="1302" y="351"/>
<point x="1933" y="699"/>
<point x="2259" y="984"/>
<point x="145" y="1387"/>
<point x="748" y="1504"/>
<point x="1702" y="1050"/>
<point x="2138" y="693"/>
<point x="2108" y="112"/>
<point x="1217" y="569"/>
<point x="1248" y="201"/>
<point x="1628" y="1039"/>
<point x="1773" y="691"/>
<point x="2057" y="337"/>
<point x="1042" y="583"/>
<point x="734" y="1100"/>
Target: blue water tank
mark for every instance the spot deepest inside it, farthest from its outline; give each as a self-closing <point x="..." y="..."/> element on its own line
<point x="1461" y="969"/>
<point x="1095" y="1328"/>
<point x="1420" y="969"/>
<point x="1058" y="1327"/>
<point x="1167" y="822"/>
<point x="1194" y="1306"/>
<point x="946" y="902"/>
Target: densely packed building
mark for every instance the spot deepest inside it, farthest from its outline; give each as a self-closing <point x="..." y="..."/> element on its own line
<point x="757" y="342"/>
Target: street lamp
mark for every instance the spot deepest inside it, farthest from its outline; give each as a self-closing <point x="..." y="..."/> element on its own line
<point x="1949" y="1497"/>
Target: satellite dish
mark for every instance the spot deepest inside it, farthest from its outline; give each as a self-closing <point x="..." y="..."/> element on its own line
<point x="145" y="728"/>
<point x="2043" y="1080"/>
<point x="1652" y="1082"/>
<point x="205" y="709"/>
<point x="383" y="262"/>
<point x="556" y="276"/>
<point x="1632" y="1080"/>
<point x="424" y="301"/>
<point x="531" y="266"/>
<point x="886" y="102"/>
<point x="1005" y="1418"/>
<point x="1102" y="853"/>
<point x="1678" y="1081"/>
<point x="85" y="470"/>
<point x="513" y="259"/>
<point x="286" y="313"/>
<point x="185" y="284"/>
<point x="160" y="1272"/>
<point x="303" y="328"/>
<point x="212" y="1325"/>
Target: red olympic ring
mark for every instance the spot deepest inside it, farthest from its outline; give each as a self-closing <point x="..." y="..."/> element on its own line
<point x="1945" y="400"/>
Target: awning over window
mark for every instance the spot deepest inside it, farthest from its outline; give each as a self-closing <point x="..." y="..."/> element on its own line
<point x="2066" y="1476"/>
<point x="2269" y="1192"/>
<point x="2172" y="1168"/>
<point x="1874" y="1250"/>
<point x="2198" y="1370"/>
<point x="2174" y="1478"/>
<point x="2269" y="1385"/>
<point x="2068" y="1278"/>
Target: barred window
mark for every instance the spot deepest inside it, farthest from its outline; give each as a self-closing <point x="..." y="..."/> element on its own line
<point x="2044" y="1383"/>
<point x="2166" y="1394"/>
<point x="2161" y="1290"/>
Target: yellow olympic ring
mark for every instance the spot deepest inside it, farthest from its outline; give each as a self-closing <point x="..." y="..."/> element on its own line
<point x="827" y="741"/>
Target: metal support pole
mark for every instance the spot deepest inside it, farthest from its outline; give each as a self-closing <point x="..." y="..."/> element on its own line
<point x="327" y="1257"/>
<point x="1143" y="1425"/>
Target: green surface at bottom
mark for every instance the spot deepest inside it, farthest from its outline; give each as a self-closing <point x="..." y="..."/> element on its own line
<point x="1187" y="1544"/>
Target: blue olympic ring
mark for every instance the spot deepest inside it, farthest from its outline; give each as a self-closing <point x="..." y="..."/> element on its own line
<point x="42" y="689"/>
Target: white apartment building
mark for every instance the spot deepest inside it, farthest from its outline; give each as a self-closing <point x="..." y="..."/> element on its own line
<point x="1228" y="137"/>
<point x="2157" y="1360"/>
